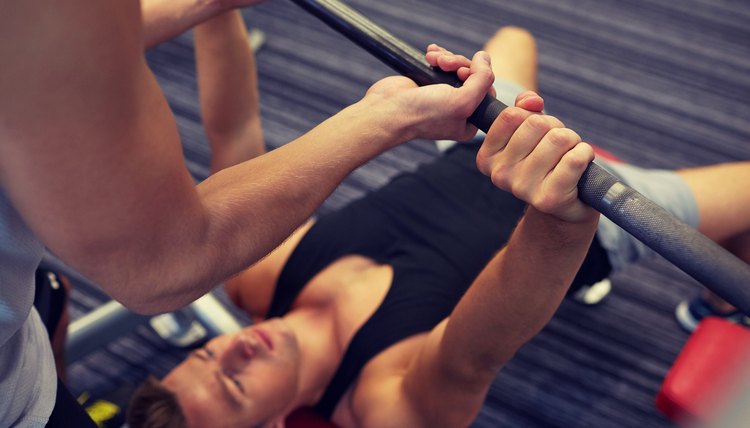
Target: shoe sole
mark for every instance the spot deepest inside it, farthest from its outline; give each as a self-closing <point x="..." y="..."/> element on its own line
<point x="684" y="318"/>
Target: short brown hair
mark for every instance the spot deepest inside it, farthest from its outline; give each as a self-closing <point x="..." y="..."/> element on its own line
<point x="154" y="406"/>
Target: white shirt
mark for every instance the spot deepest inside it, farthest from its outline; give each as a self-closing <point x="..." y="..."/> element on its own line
<point x="28" y="381"/>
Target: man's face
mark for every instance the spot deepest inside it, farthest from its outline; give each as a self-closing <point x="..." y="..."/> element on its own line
<point x="239" y="379"/>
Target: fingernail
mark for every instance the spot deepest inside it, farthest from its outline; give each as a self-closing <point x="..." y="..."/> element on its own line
<point x="485" y="57"/>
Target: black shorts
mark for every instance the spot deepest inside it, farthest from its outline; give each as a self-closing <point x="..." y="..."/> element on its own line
<point x="49" y="301"/>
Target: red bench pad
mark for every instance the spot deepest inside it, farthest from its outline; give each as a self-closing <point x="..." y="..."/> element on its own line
<point x="305" y="417"/>
<point x="706" y="372"/>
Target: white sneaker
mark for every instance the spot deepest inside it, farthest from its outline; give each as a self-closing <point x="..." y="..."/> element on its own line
<point x="593" y="294"/>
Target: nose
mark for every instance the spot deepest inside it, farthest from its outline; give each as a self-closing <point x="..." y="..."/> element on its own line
<point x="239" y="352"/>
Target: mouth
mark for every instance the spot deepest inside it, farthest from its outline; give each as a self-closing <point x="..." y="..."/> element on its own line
<point x="264" y="337"/>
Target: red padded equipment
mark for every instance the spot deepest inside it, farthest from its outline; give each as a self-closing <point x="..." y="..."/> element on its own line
<point x="305" y="417"/>
<point x="601" y="153"/>
<point x="706" y="373"/>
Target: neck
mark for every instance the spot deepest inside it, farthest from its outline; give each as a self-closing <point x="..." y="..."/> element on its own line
<point x="320" y="355"/>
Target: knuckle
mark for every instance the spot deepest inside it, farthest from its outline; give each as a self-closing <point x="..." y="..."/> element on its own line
<point x="485" y="74"/>
<point x="500" y="177"/>
<point x="587" y="151"/>
<point x="483" y="163"/>
<point x="555" y="122"/>
<point x="563" y="137"/>
<point x="546" y="202"/>
<point x="539" y="122"/>
<point x="512" y="115"/>
<point x="574" y="161"/>
<point x="578" y="159"/>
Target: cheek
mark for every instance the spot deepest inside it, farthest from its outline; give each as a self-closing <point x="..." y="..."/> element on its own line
<point x="273" y="394"/>
<point x="285" y="377"/>
<point x="275" y="381"/>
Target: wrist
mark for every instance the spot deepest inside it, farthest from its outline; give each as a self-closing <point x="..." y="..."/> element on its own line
<point x="384" y="120"/>
<point x="583" y="215"/>
<point x="578" y="227"/>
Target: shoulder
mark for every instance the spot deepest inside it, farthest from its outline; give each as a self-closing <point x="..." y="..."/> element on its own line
<point x="382" y="404"/>
<point x="377" y="398"/>
<point x="407" y="385"/>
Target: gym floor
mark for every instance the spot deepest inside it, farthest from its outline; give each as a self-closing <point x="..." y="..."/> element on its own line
<point x="659" y="83"/>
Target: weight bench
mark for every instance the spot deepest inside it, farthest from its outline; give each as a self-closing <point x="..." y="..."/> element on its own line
<point x="709" y="376"/>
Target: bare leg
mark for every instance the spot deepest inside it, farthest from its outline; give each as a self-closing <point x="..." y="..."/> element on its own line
<point x="720" y="190"/>
<point x="723" y="198"/>
<point x="514" y="56"/>
<point x="724" y="208"/>
<point x="227" y="81"/>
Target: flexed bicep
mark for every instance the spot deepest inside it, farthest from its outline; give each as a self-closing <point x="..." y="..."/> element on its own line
<point x="90" y="154"/>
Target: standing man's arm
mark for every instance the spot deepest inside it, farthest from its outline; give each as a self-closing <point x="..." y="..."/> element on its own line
<point x="91" y="158"/>
<point x="90" y="154"/>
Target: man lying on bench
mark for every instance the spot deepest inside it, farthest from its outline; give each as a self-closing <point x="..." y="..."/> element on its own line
<point x="401" y="308"/>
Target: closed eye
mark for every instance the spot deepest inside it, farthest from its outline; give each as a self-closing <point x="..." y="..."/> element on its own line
<point x="210" y="355"/>
<point x="202" y="354"/>
<point x="237" y="384"/>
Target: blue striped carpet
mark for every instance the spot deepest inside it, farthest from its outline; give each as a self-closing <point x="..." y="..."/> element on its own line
<point x="659" y="83"/>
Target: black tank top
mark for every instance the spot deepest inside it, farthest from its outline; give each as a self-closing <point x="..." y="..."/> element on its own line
<point x="437" y="227"/>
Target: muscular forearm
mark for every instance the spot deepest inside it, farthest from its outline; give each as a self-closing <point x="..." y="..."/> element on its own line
<point x="517" y="293"/>
<point x="250" y="209"/>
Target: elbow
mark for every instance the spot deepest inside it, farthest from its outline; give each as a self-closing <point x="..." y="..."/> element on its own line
<point x="152" y="297"/>
<point x="149" y="273"/>
<point x="476" y="370"/>
<point x="151" y="288"/>
<point x="150" y="306"/>
<point x="484" y="368"/>
<point x="491" y="364"/>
